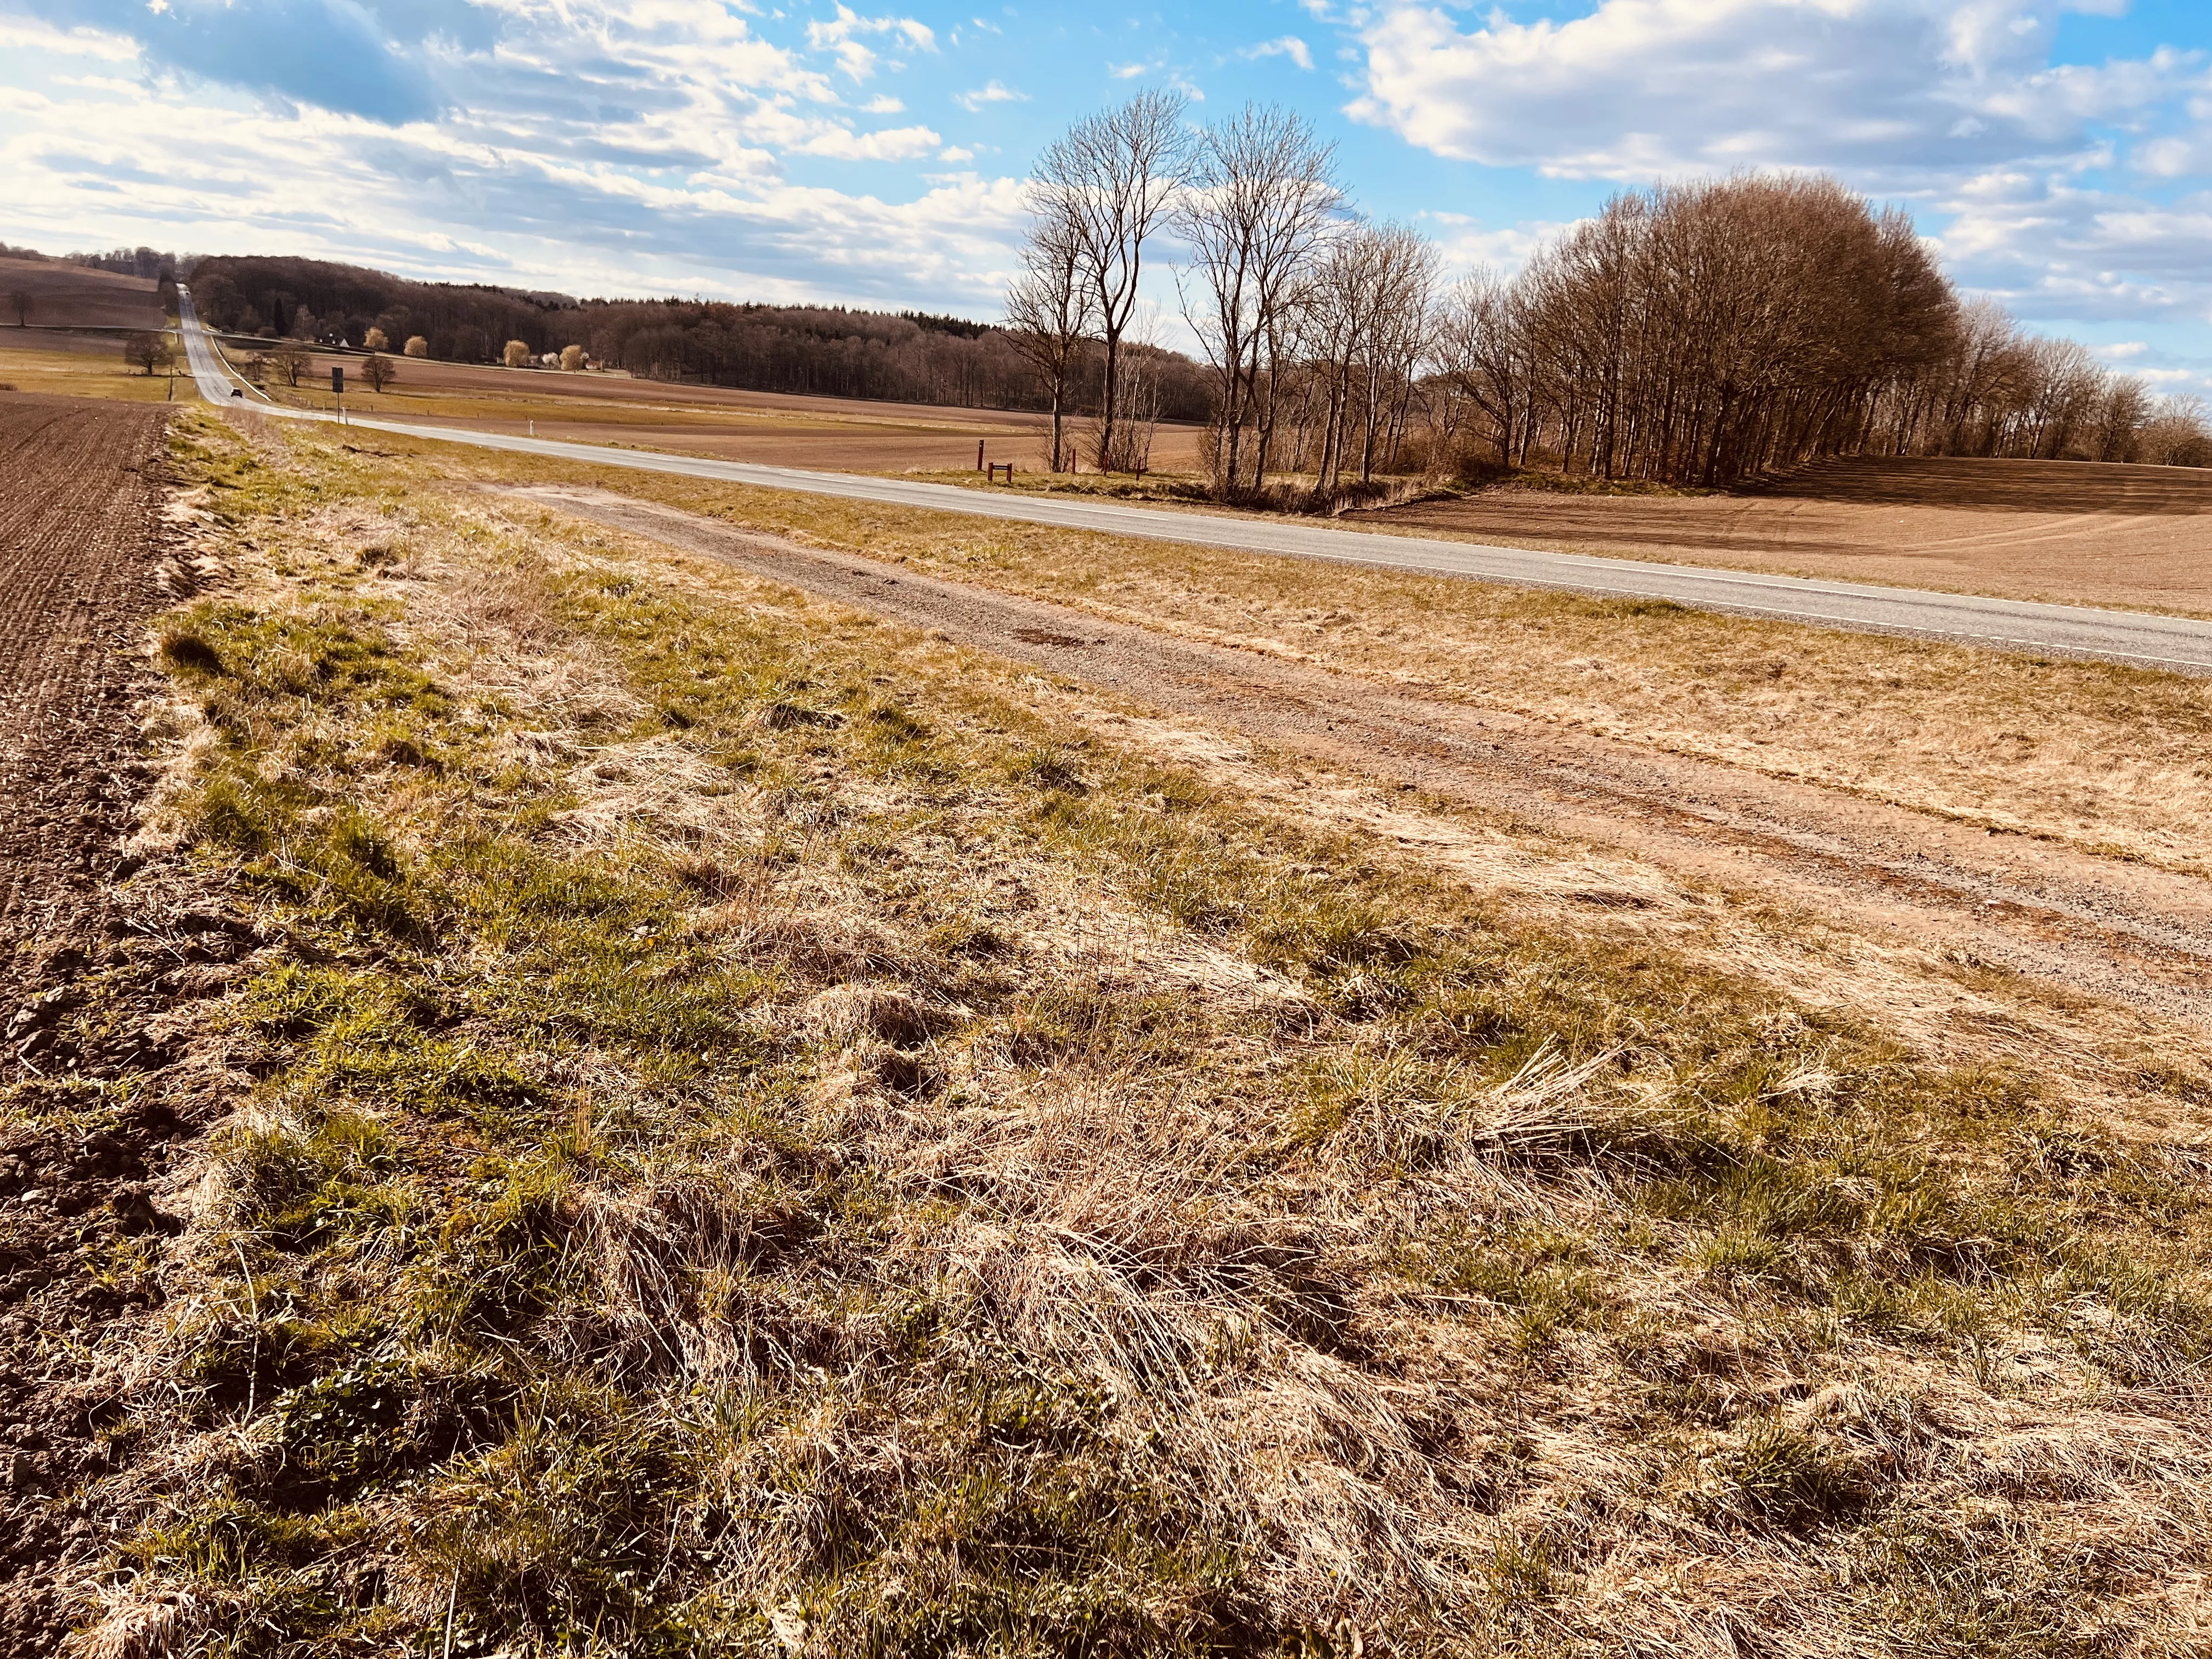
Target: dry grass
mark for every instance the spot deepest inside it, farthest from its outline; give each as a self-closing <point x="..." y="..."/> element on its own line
<point x="94" y="368"/>
<point x="770" y="1136"/>
<point x="1961" y="734"/>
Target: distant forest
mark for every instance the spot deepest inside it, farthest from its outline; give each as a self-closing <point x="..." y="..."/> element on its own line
<point x="827" y="351"/>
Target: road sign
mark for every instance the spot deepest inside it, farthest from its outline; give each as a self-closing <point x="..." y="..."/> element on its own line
<point x="338" y="379"/>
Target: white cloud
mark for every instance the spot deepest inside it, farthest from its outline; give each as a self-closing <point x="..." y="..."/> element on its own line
<point x="2053" y="249"/>
<point x="23" y="35"/>
<point x="1288" y="45"/>
<point x="1643" y="88"/>
<point x="956" y="153"/>
<point x="595" y="146"/>
<point x="841" y="38"/>
<point x="1465" y="245"/>
<point x="893" y="144"/>
<point x="994" y="92"/>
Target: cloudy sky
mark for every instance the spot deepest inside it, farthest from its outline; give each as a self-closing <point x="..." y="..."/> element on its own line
<point x="2061" y="153"/>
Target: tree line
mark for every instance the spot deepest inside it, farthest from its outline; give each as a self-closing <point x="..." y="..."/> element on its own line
<point x="908" y="357"/>
<point x="1703" y="333"/>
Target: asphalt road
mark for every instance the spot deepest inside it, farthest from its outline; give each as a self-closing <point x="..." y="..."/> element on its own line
<point x="2138" y="638"/>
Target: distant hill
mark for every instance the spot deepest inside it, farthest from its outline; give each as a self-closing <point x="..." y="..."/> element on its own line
<point x="827" y="351"/>
<point x="63" y="294"/>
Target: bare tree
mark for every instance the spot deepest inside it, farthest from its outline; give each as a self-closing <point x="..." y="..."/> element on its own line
<point x="1048" y="309"/>
<point x="147" y="352"/>
<point x="1403" y="265"/>
<point x="379" y="371"/>
<point x="1114" y="176"/>
<point x="23" y="300"/>
<point x="291" y="362"/>
<point x="2176" y="434"/>
<point x="1261" y="198"/>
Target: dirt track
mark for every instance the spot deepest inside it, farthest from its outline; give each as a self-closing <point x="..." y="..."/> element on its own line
<point x="2141" y="936"/>
<point x="2071" y="532"/>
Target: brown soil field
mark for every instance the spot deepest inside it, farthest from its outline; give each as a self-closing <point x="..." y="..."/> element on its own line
<point x="847" y="434"/>
<point x="76" y="296"/>
<point x="81" y="541"/>
<point x="2072" y="531"/>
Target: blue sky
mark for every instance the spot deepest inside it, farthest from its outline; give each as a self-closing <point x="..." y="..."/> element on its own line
<point x="2059" y="154"/>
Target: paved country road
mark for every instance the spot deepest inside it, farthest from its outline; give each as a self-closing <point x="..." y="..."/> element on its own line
<point x="2178" y="643"/>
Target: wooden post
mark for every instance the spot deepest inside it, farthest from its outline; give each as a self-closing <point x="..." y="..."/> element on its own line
<point x="979" y="454"/>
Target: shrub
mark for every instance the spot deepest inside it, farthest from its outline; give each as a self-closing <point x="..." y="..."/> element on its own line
<point x="418" y="346"/>
<point x="517" y="355"/>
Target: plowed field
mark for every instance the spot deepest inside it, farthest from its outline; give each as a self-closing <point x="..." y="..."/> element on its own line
<point x="78" y="516"/>
<point x="80" y="483"/>
<point x="65" y="296"/>
<point x="770" y="428"/>
<point x="2073" y="531"/>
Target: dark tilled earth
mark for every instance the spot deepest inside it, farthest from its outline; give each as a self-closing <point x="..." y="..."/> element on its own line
<point x="92" y="977"/>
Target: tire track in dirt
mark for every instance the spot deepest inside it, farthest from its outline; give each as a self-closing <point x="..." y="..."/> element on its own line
<point x="2136" y="934"/>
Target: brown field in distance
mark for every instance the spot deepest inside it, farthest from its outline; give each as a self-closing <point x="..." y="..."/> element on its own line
<point x="847" y="434"/>
<point x="76" y="296"/>
<point x="2074" y="531"/>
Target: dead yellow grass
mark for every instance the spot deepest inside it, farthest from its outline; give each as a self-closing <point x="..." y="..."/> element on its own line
<point x="1964" y="734"/>
<point x="96" y="371"/>
<point x="771" y="1134"/>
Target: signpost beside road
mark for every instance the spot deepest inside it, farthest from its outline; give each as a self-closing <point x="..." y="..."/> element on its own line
<point x="338" y="387"/>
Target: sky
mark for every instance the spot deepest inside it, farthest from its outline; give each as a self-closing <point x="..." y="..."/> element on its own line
<point x="2059" y="153"/>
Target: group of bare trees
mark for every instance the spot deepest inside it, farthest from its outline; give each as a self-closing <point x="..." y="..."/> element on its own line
<point x="1311" y="320"/>
<point x="2001" y="392"/>
<point x="1101" y="191"/>
<point x="1708" y="333"/>
<point x="1700" y="333"/>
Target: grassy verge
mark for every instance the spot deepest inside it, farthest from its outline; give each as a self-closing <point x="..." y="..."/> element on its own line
<point x="1956" y="733"/>
<point x="759" y="1135"/>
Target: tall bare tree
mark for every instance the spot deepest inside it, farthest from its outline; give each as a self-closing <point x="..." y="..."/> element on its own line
<point x="1049" y="307"/>
<point x="1260" y="199"/>
<point x="1114" y="176"/>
